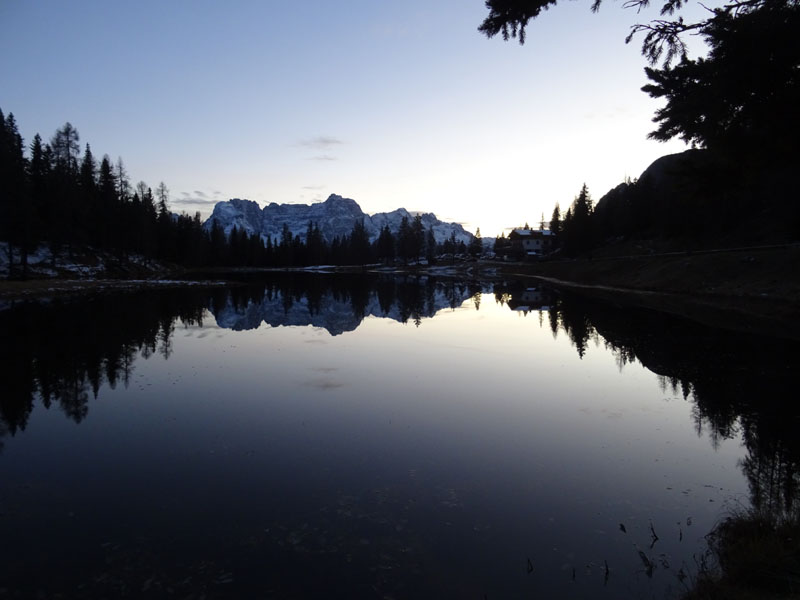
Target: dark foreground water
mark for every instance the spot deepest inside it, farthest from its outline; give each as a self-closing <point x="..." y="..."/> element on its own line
<point x="375" y="437"/>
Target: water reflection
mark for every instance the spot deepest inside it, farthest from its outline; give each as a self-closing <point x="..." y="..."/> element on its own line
<point x="64" y="350"/>
<point x="67" y="352"/>
<point x="338" y="304"/>
<point x="739" y="384"/>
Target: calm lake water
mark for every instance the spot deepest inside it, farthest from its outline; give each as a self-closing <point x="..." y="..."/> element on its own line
<point x="377" y="437"/>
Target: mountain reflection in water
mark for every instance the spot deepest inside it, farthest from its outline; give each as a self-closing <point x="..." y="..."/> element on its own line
<point x="339" y="304"/>
<point x="104" y="334"/>
<point x="68" y="352"/>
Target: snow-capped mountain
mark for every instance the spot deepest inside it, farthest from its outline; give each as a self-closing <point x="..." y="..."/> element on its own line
<point x="334" y="217"/>
<point x="333" y="312"/>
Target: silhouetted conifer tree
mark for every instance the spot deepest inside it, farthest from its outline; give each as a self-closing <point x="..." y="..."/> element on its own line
<point x="16" y="212"/>
<point x="385" y="246"/>
<point x="359" y="244"/>
<point x="431" y="247"/>
<point x="555" y="220"/>
<point x="476" y="244"/>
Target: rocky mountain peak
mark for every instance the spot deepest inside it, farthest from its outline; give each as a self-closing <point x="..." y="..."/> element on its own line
<point x="335" y="217"/>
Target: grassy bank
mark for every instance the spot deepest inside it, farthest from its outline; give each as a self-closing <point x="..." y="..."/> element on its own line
<point x="750" y="556"/>
<point x="754" y="290"/>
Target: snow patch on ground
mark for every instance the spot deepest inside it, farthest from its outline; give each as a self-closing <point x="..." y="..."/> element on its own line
<point x="85" y="263"/>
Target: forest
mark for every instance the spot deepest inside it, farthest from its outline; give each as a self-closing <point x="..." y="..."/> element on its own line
<point x="52" y="195"/>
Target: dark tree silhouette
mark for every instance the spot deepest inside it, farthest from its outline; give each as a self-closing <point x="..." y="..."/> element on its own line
<point x="15" y="213"/>
<point x="417" y="238"/>
<point x="663" y="38"/>
<point x="405" y="241"/>
<point x="359" y="244"/>
<point x="55" y="200"/>
<point x="577" y="234"/>
<point x="555" y="220"/>
<point x="744" y="95"/>
<point x="476" y="244"/>
<point x="385" y="246"/>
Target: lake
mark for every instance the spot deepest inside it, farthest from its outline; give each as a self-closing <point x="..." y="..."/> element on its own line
<point x="377" y="436"/>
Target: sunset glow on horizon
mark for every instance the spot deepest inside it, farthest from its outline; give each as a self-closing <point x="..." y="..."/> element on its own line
<point x="391" y="105"/>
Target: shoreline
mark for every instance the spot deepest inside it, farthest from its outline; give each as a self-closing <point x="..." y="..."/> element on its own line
<point x="756" y="293"/>
<point x="39" y="289"/>
<point x="750" y="290"/>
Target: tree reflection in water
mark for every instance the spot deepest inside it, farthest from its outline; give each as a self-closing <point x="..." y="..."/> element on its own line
<point x="67" y="350"/>
<point x="738" y="383"/>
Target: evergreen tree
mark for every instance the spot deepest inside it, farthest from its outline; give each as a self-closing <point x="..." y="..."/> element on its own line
<point x="147" y="241"/>
<point x="107" y="201"/>
<point x="476" y="244"/>
<point x="417" y="238"/>
<point x="385" y="246"/>
<point x="88" y="172"/>
<point x="84" y="209"/>
<point x="315" y="245"/>
<point x="583" y="205"/>
<point x="430" y="246"/>
<point x="166" y="231"/>
<point x="64" y="144"/>
<point x="578" y="231"/>
<point x="16" y="214"/>
<point x="269" y="252"/>
<point x="123" y="183"/>
<point x="742" y="98"/>
<point x="285" y="247"/>
<point x="567" y="232"/>
<point x="217" y="244"/>
<point x="359" y="244"/>
<point x="453" y="246"/>
<point x="404" y="240"/>
<point x="39" y="178"/>
<point x="501" y="245"/>
<point x="555" y="220"/>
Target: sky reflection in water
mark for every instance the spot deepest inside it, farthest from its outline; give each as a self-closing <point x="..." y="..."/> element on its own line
<point x="416" y="461"/>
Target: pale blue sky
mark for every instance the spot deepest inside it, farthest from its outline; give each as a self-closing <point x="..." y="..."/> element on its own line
<point x="389" y="103"/>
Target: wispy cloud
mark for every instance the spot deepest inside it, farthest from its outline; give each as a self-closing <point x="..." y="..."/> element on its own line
<point x="197" y="198"/>
<point x="313" y="187"/>
<point x="194" y="201"/>
<point x="320" y="142"/>
<point x="323" y="157"/>
<point x="324" y="384"/>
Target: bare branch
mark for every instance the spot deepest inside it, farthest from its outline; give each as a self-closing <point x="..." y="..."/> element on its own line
<point x="637" y="4"/>
<point x="663" y="38"/>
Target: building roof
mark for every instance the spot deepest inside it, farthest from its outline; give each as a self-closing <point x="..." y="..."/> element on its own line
<point x="530" y="232"/>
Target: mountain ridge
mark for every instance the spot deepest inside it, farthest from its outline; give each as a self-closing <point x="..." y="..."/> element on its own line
<point x="335" y="217"/>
